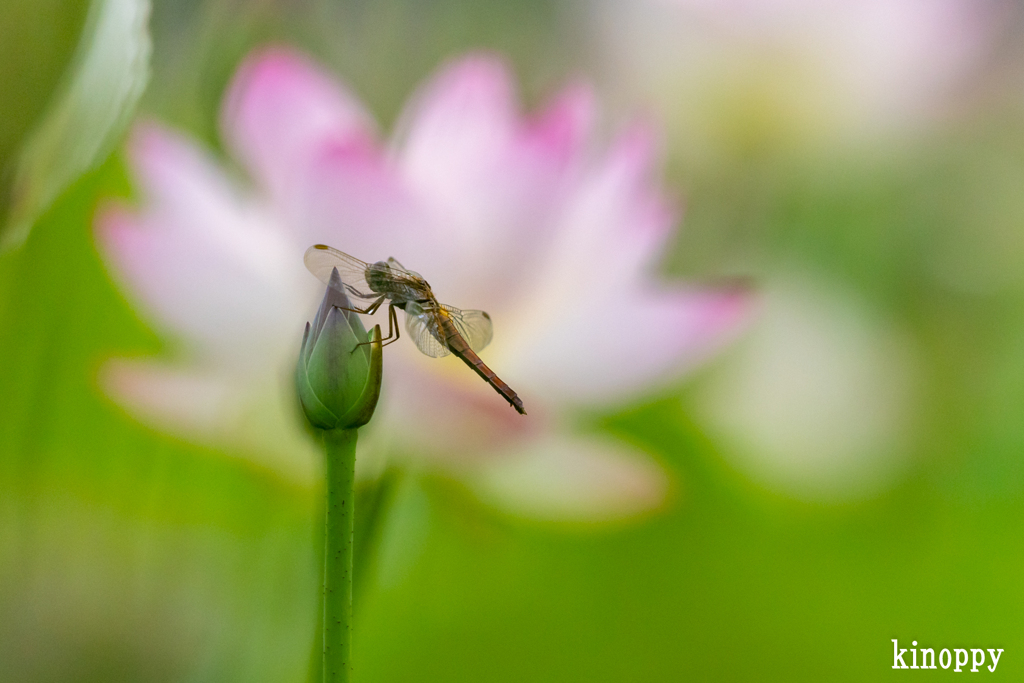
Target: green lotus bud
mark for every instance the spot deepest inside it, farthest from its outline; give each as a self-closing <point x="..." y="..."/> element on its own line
<point x="338" y="374"/>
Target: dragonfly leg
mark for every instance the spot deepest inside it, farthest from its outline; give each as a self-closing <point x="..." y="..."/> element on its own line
<point x="393" y="328"/>
<point x="356" y="292"/>
<point x="369" y="310"/>
<point x="375" y="305"/>
<point x="393" y="319"/>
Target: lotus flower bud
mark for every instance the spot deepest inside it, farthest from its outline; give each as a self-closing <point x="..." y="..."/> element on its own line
<point x="338" y="375"/>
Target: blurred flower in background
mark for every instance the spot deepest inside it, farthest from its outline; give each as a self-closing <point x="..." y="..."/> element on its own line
<point x="794" y="74"/>
<point x="817" y="402"/>
<point x="516" y="215"/>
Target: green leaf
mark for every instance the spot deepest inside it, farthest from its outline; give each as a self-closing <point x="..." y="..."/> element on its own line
<point x="85" y="121"/>
<point x="37" y="43"/>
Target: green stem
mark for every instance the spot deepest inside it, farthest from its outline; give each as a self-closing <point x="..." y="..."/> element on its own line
<point x="340" y="446"/>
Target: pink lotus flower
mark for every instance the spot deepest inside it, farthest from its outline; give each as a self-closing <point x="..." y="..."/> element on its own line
<point x="514" y="215"/>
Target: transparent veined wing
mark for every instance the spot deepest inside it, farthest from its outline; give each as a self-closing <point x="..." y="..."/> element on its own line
<point x="402" y="275"/>
<point x="474" y="326"/>
<point x="321" y="259"/>
<point x="422" y="330"/>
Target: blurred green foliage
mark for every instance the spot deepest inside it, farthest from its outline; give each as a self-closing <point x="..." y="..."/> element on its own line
<point x="86" y="115"/>
<point x="37" y="39"/>
<point x="128" y="555"/>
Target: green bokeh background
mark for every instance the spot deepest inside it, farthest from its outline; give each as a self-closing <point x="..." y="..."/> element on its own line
<point x="128" y="555"/>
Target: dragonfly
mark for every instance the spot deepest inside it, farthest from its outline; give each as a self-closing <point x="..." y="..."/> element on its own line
<point x="437" y="329"/>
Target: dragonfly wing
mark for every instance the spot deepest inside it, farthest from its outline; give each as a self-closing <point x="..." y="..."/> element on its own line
<point x="474" y="326"/>
<point x="321" y="259"/>
<point x="420" y="328"/>
<point x="403" y="276"/>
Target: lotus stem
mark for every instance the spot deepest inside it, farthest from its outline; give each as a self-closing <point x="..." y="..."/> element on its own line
<point x="339" y="525"/>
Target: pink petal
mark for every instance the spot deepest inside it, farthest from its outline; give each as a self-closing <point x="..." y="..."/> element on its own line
<point x="181" y="401"/>
<point x="203" y="260"/>
<point x="455" y="148"/>
<point x="491" y="182"/>
<point x="235" y="413"/>
<point x="622" y="199"/>
<point x="606" y="242"/>
<point x="354" y="199"/>
<point x="565" y="479"/>
<point x="460" y="122"/>
<point x="560" y="133"/>
<point x="178" y="179"/>
<point x="214" y="292"/>
<point x="448" y="414"/>
<point x="609" y="349"/>
<point x="613" y="227"/>
<point x="599" y="328"/>
<point x="280" y="109"/>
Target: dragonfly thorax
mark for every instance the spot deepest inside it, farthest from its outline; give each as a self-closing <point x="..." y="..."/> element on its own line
<point x="378" y="276"/>
<point x="399" y="285"/>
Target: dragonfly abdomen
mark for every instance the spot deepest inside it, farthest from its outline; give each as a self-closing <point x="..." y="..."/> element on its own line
<point x="459" y="347"/>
